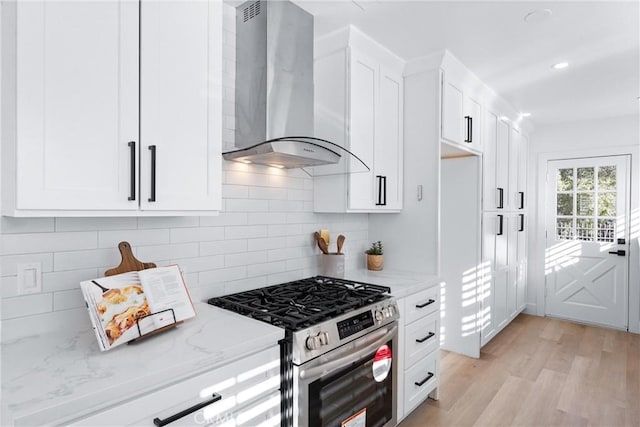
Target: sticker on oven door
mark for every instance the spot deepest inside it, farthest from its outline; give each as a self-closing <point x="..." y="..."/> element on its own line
<point x="382" y="363"/>
<point x="356" y="420"/>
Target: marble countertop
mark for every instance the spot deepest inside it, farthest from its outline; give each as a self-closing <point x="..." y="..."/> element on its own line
<point x="401" y="283"/>
<point x="51" y="379"/>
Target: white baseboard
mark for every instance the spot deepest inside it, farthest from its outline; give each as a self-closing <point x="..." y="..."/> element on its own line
<point x="531" y="308"/>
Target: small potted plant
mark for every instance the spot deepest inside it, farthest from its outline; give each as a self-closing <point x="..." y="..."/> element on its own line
<point x="375" y="258"/>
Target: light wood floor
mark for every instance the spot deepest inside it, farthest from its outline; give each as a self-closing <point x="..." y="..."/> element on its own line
<point x="540" y="372"/>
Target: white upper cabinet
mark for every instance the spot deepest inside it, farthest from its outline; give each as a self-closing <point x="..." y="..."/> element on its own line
<point x="181" y="105"/>
<point x="76" y="105"/>
<point x="93" y="90"/>
<point x="461" y="115"/>
<point x="359" y="105"/>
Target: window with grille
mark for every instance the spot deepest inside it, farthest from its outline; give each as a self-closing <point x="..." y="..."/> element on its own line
<point x="586" y="203"/>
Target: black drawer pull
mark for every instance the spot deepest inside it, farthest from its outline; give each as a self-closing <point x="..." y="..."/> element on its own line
<point x="501" y="198"/>
<point x="421" y="340"/>
<point x="521" y="222"/>
<point x="431" y="301"/>
<point x="132" y="194"/>
<point x="521" y="199"/>
<point x="152" y="148"/>
<point x="500" y="225"/>
<point x="421" y="383"/>
<point x="158" y="422"/>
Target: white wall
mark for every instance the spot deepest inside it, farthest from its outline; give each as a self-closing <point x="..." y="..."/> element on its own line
<point x="618" y="135"/>
<point x="263" y="236"/>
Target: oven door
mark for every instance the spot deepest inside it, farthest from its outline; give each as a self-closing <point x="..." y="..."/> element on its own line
<point x="353" y="385"/>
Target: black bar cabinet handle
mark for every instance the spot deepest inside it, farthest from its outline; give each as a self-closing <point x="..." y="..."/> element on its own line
<point x="501" y="198"/>
<point x="470" y="129"/>
<point x="431" y="301"/>
<point x="379" y="179"/>
<point x="384" y="192"/>
<point x="421" y="383"/>
<point x="158" y="422"/>
<point x="132" y="192"/>
<point x="421" y="340"/>
<point x="521" y="199"/>
<point x="500" y="224"/>
<point x="468" y="119"/>
<point x="619" y="252"/>
<point x="152" y="148"/>
<point x="521" y="222"/>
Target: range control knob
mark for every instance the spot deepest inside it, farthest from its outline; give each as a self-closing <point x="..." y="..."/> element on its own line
<point x="324" y="338"/>
<point x="313" y="343"/>
<point x="392" y="310"/>
<point x="379" y="315"/>
<point x="386" y="312"/>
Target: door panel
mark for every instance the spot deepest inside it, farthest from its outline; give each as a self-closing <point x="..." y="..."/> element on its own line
<point x="587" y="212"/>
<point x="452" y="113"/>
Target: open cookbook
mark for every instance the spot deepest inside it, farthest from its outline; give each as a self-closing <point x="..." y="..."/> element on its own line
<point x="128" y="305"/>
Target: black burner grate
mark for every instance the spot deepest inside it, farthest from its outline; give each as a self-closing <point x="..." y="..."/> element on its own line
<point x="302" y="303"/>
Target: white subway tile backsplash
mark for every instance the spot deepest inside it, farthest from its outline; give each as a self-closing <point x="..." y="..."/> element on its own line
<point x="199" y="264"/>
<point x="168" y="222"/>
<point x="286" y="206"/>
<point x="26" y="305"/>
<point x="246" y="205"/>
<point x="26" y="225"/>
<point x="98" y="223"/>
<point x="200" y="234"/>
<point x="110" y="239"/>
<point x="235" y="191"/>
<point x="301" y="218"/>
<point x="166" y="252"/>
<point x="266" y="268"/>
<point x="66" y="280"/>
<point x="246" y="258"/>
<point x="225" y="218"/>
<point x="9" y="286"/>
<point x="285" y="230"/>
<point x="64" y="300"/>
<point x="299" y="195"/>
<point x="247" y="231"/>
<point x="310" y="262"/>
<point x="216" y="277"/>
<point x="223" y="247"/>
<point x="26" y="243"/>
<point x="8" y="263"/>
<point x="245" y="284"/>
<point x="263" y="218"/>
<point x="266" y="243"/>
<point x="270" y="193"/>
<point x="97" y="258"/>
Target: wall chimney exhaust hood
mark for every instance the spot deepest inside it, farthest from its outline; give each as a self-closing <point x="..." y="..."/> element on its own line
<point x="274" y="93"/>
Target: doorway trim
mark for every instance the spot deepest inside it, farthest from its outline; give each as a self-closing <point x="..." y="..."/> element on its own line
<point x="538" y="243"/>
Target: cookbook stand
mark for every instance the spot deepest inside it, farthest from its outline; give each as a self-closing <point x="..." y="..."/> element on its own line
<point x="130" y="263"/>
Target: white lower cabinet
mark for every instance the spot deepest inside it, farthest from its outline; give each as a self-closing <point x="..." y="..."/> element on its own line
<point x="249" y="391"/>
<point x="419" y="344"/>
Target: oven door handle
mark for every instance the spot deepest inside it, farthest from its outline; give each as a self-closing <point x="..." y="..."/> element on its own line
<point x="341" y="362"/>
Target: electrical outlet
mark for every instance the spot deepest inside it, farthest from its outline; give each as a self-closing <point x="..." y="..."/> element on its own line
<point x="29" y="278"/>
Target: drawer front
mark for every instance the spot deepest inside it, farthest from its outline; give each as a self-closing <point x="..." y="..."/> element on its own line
<point x="422" y="303"/>
<point x="420" y="380"/>
<point x="240" y="383"/>
<point x="421" y="338"/>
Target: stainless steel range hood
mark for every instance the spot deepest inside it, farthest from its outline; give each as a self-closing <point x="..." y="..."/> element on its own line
<point x="274" y="90"/>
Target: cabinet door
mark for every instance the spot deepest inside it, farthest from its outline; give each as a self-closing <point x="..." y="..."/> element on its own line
<point x="472" y="124"/>
<point x="490" y="196"/>
<point x="495" y="240"/>
<point x="513" y="199"/>
<point x="452" y="113"/>
<point x="181" y="105"/>
<point x="77" y="105"/>
<point x="521" y="260"/>
<point x="388" y="142"/>
<point x="363" y="99"/>
<point x="523" y="168"/>
<point x="502" y="165"/>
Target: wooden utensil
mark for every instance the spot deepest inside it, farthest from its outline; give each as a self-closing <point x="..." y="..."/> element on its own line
<point x="340" y="242"/>
<point x="321" y="243"/>
<point x="129" y="261"/>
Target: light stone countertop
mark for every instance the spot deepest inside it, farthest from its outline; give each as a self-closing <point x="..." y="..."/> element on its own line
<point x="55" y="378"/>
<point x="401" y="283"/>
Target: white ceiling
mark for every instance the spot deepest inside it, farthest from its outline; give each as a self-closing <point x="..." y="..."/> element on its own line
<point x="600" y="40"/>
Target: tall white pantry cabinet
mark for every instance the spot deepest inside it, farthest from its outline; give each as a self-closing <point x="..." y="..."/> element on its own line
<point x="465" y="153"/>
<point x="111" y="108"/>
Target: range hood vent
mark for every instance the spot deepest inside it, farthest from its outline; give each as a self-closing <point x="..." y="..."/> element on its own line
<point x="274" y="93"/>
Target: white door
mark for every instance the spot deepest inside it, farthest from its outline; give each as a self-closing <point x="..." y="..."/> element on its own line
<point x="586" y="265"/>
<point x="364" y="99"/>
<point x="472" y="123"/>
<point x="452" y="113"/>
<point x="181" y="105"/>
<point x="77" y="105"/>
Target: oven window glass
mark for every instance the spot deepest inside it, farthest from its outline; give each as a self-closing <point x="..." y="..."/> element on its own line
<point x="335" y="398"/>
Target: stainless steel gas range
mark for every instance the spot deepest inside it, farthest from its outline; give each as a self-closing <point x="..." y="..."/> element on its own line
<point x="338" y="365"/>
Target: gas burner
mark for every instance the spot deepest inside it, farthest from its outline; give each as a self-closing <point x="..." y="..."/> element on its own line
<point x="303" y="303"/>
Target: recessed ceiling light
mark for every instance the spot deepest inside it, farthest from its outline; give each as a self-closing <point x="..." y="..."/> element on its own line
<point x="537" y="16"/>
<point x="525" y="114"/>
<point x="560" y="65"/>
